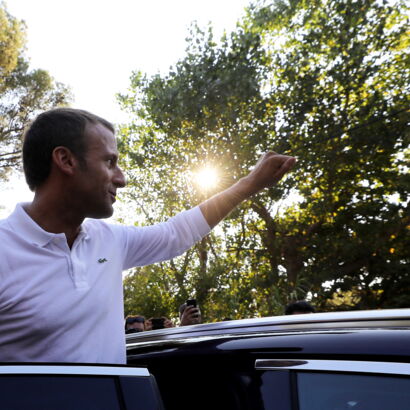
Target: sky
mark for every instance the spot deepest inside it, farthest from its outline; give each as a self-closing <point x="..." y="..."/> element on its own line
<point x="94" y="45"/>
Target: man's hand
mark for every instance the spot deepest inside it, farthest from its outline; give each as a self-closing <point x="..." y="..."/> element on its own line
<point x="190" y="316"/>
<point x="270" y="168"/>
<point x="168" y="323"/>
<point x="148" y="324"/>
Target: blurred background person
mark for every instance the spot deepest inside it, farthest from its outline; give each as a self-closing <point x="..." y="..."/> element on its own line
<point x="299" y="307"/>
<point x="189" y="313"/>
<point x="134" y="324"/>
<point x="155" y="323"/>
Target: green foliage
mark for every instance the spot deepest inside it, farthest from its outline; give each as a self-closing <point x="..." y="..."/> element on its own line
<point x="23" y="92"/>
<point x="12" y="39"/>
<point x="326" y="81"/>
<point x="148" y="293"/>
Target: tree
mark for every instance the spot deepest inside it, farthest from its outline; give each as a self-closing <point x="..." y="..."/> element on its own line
<point x="343" y="80"/>
<point x="23" y="92"/>
<point x="327" y="81"/>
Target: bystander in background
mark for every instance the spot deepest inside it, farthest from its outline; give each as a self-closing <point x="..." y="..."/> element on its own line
<point x="299" y="307"/>
<point x="155" y="323"/>
<point x="189" y="313"/>
<point x="134" y="324"/>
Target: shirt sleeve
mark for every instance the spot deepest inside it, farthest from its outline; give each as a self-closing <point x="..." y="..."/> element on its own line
<point x="163" y="241"/>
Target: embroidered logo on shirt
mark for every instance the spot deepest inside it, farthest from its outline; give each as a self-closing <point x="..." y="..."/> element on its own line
<point x="102" y="260"/>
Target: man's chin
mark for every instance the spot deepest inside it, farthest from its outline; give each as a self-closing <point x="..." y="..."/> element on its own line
<point x="102" y="213"/>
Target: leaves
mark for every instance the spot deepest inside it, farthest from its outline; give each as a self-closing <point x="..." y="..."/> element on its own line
<point x="23" y="92"/>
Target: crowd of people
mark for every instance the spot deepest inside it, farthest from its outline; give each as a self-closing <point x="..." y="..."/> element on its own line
<point x="190" y="314"/>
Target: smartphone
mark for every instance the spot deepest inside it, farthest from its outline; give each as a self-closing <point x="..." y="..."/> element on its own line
<point x="191" y="302"/>
<point x="157" y="323"/>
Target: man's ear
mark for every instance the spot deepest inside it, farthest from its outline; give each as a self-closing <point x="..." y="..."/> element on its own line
<point x="64" y="160"/>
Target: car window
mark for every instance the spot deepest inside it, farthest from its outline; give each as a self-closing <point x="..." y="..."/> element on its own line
<point x="329" y="391"/>
<point x="140" y="393"/>
<point x="19" y="392"/>
<point x="275" y="389"/>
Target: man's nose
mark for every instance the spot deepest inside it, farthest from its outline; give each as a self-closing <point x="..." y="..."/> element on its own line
<point x="119" y="178"/>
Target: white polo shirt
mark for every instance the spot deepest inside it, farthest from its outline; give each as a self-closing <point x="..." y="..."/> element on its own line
<point x="66" y="305"/>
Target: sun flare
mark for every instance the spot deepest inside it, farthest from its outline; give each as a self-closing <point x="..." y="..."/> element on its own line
<point x="206" y="178"/>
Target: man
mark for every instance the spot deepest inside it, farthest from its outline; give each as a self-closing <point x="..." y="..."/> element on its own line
<point x="134" y="324"/>
<point x="60" y="273"/>
<point x="155" y="323"/>
<point x="299" y="307"/>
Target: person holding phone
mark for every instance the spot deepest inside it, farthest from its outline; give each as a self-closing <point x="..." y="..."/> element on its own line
<point x="155" y="323"/>
<point x="189" y="313"/>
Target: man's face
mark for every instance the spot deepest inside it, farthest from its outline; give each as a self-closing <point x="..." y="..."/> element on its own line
<point x="97" y="182"/>
<point x="136" y="325"/>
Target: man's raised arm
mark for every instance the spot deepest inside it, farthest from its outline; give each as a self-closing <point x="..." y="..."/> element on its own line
<point x="270" y="168"/>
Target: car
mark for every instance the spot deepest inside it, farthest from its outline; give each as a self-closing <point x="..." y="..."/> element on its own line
<point x="77" y="387"/>
<point x="355" y="360"/>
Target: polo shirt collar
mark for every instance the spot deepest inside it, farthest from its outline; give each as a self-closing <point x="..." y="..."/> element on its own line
<point x="21" y="222"/>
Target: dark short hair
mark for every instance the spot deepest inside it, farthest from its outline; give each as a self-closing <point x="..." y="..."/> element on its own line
<point x="58" y="127"/>
<point x="299" y="306"/>
<point x="134" y="318"/>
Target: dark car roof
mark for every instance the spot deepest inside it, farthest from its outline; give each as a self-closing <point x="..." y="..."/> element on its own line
<point x="349" y="334"/>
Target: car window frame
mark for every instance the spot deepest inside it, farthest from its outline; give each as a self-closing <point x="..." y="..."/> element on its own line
<point x="118" y="375"/>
